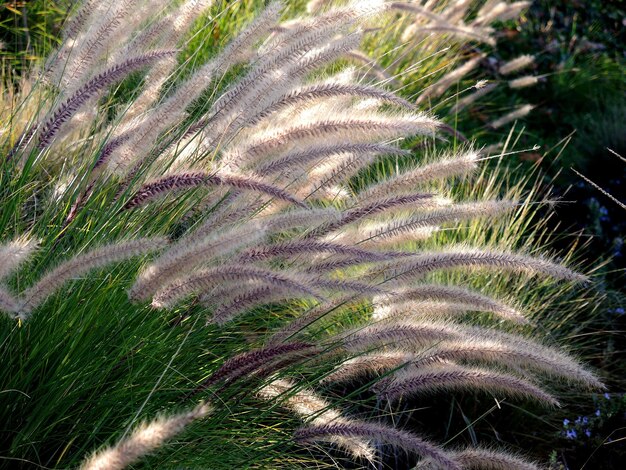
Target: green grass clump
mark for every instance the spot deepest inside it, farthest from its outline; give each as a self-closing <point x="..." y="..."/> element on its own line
<point x="85" y="365"/>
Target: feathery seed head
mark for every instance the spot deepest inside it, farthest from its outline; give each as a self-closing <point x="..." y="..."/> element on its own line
<point x="445" y="377"/>
<point x="204" y="280"/>
<point x="519" y="113"/>
<point x="97" y="258"/>
<point x="524" y="82"/>
<point x="402" y="440"/>
<point x="14" y="253"/>
<point x="486" y="459"/>
<point x="317" y="411"/>
<point x="516" y="64"/>
<point x="143" y="440"/>
<point x="453" y="258"/>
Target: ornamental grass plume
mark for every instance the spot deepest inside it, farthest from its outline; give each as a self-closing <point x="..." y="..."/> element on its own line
<point x="524" y="82"/>
<point x="482" y="347"/>
<point x="13" y="254"/>
<point x="519" y="113"/>
<point x="488" y="459"/>
<point x="81" y="96"/>
<point x="422" y="264"/>
<point x="399" y="229"/>
<point x="178" y="182"/>
<point x="424" y="310"/>
<point x="315" y="410"/>
<point x="517" y="64"/>
<point x="468" y="100"/>
<point x="297" y="222"/>
<point x="458" y="295"/>
<point x="204" y="280"/>
<point x="455" y="24"/>
<point x="402" y="440"/>
<point x="54" y="279"/>
<point x="413" y="333"/>
<point x="35" y="295"/>
<point x="530" y="355"/>
<point x="369" y="364"/>
<point x="450" y="79"/>
<point x="428" y="379"/>
<point x="146" y="438"/>
<point x="8" y="303"/>
<point x="457" y="165"/>
<point x="246" y="363"/>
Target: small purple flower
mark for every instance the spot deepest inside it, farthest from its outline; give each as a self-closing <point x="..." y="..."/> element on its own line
<point x="598" y="412"/>
<point x="607" y="396"/>
<point x="587" y="433"/>
<point x="619" y="311"/>
<point x="565" y="422"/>
<point x="571" y="434"/>
<point x="585" y="420"/>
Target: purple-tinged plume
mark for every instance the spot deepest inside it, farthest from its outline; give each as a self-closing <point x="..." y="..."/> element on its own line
<point x="64" y="112"/>
<point x="182" y="181"/>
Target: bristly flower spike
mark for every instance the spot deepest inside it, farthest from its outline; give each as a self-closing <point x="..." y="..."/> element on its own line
<point x="14" y="253"/>
<point x="63" y="113"/>
<point x="315" y="410"/>
<point x="402" y="440"/>
<point x="143" y="440"/>
<point x="82" y="264"/>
